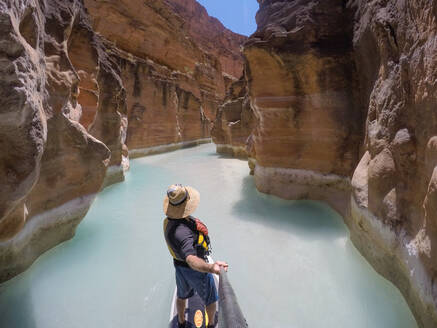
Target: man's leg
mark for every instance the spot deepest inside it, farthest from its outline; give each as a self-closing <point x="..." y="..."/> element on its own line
<point x="180" y="306"/>
<point x="210" y="310"/>
<point x="184" y="291"/>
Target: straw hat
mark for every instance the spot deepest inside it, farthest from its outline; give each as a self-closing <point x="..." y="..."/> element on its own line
<point x="180" y="201"/>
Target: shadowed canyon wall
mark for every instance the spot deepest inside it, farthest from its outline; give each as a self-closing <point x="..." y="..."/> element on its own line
<point x="51" y="166"/>
<point x="343" y="96"/>
<point x="84" y="82"/>
<point x="234" y="121"/>
<point x="393" y="204"/>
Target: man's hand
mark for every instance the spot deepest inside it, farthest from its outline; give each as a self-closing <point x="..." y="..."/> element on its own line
<point x="198" y="264"/>
<point x="219" y="264"/>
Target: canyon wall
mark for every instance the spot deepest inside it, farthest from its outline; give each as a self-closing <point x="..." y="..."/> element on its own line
<point x="302" y="94"/>
<point x="234" y="121"/>
<point x="51" y="166"/>
<point x="174" y="67"/>
<point x="84" y="82"/>
<point x="343" y="98"/>
<point x="393" y="205"/>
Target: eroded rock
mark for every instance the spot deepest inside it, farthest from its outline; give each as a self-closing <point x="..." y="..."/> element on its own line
<point x="50" y="163"/>
<point x="347" y="90"/>
<point x="301" y="85"/>
<point x="82" y="82"/>
<point x="175" y="80"/>
<point x="234" y="121"/>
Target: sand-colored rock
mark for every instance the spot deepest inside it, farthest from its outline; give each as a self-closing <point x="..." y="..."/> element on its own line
<point x="301" y="81"/>
<point x="50" y="163"/>
<point x="397" y="65"/>
<point x="348" y="90"/>
<point x="234" y="121"/>
<point x="23" y="127"/>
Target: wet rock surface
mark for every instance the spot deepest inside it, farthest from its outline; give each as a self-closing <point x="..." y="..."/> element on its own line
<point x="84" y="82"/>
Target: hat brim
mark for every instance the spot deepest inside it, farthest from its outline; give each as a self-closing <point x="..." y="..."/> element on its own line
<point x="186" y="208"/>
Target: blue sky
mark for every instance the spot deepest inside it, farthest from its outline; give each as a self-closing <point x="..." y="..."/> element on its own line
<point x="236" y="15"/>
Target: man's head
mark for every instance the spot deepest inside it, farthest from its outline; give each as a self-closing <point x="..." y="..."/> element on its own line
<point x="180" y="201"/>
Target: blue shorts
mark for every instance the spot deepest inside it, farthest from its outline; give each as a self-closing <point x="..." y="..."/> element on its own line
<point x="189" y="281"/>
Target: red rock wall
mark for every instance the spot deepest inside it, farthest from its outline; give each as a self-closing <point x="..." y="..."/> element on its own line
<point x="174" y="67"/>
<point x="301" y="78"/>
<point x="234" y="122"/>
<point x="74" y="100"/>
<point x="302" y="91"/>
<point x="344" y="101"/>
<point x="209" y="34"/>
<point x="161" y="112"/>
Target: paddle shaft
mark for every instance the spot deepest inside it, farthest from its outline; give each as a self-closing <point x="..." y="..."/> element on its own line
<point x="230" y="315"/>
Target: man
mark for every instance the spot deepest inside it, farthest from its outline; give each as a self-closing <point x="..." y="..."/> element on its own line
<point x="188" y="242"/>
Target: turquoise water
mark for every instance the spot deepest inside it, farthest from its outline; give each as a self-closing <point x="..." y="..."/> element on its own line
<point x="291" y="263"/>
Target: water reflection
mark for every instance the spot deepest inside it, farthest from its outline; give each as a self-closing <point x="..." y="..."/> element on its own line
<point x="297" y="217"/>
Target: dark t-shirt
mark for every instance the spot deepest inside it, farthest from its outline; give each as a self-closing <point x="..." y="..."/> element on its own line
<point x="180" y="238"/>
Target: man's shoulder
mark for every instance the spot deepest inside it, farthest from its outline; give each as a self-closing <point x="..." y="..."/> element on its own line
<point x="182" y="231"/>
<point x="182" y="227"/>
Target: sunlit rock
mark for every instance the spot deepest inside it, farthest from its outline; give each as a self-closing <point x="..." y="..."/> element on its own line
<point x="82" y="84"/>
<point x="347" y="90"/>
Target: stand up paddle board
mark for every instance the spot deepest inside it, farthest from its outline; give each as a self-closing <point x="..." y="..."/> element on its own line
<point x="195" y="311"/>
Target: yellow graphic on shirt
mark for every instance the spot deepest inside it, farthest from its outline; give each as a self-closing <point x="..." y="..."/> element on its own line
<point x="198" y="319"/>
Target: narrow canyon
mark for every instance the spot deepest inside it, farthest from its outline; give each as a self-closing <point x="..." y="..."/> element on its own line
<point x="86" y="85"/>
<point x="338" y="104"/>
<point x="328" y="100"/>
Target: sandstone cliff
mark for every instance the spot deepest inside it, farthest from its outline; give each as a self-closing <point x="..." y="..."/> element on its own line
<point x="393" y="203"/>
<point x="51" y="167"/>
<point x="210" y="35"/>
<point x="174" y="65"/>
<point x="83" y="80"/>
<point x="234" y="121"/>
<point x="344" y="98"/>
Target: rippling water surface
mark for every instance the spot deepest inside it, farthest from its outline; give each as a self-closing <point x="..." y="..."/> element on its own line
<point x="291" y="262"/>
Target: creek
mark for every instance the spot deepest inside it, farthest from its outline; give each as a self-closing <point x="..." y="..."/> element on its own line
<point x="291" y="262"/>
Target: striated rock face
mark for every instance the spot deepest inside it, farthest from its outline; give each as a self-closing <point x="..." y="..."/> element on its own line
<point x="344" y="98"/>
<point x="163" y="106"/>
<point x="210" y="35"/>
<point x="174" y="65"/>
<point x="302" y="91"/>
<point x="81" y="82"/>
<point x="51" y="167"/>
<point x="394" y="183"/>
<point x="234" y="121"/>
<point x="301" y="86"/>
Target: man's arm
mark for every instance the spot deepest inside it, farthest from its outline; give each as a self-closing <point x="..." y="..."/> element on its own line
<point x="198" y="264"/>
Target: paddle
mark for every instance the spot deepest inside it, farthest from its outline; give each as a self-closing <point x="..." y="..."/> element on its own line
<point x="230" y="315"/>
